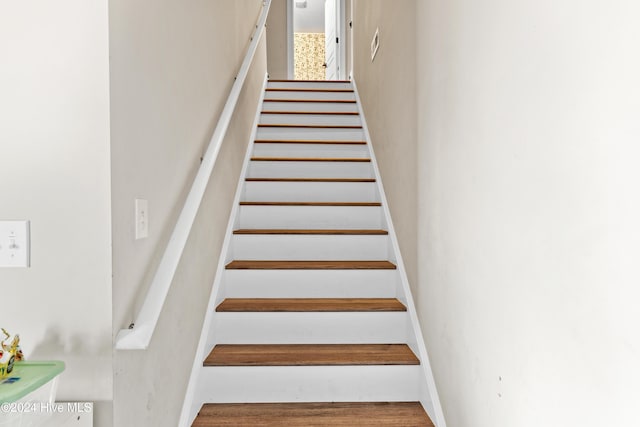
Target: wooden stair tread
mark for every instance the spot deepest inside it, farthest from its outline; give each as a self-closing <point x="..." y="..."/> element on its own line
<point x="307" y="81"/>
<point x="335" y="204"/>
<point x="350" y="232"/>
<point x="310" y="305"/>
<point x="319" y="113"/>
<point x="308" y="141"/>
<point x="311" y="159"/>
<point x="328" y="101"/>
<point x="307" y="89"/>
<point x="303" y="126"/>
<point x="309" y="265"/>
<point x="322" y="414"/>
<point x="310" y="179"/>
<point x="310" y="355"/>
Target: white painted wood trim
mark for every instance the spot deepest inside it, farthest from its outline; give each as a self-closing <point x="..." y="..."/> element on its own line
<point x="342" y="34"/>
<point x="189" y="407"/>
<point x="290" y="41"/>
<point x="139" y="336"/>
<point x="351" y="44"/>
<point x="430" y="399"/>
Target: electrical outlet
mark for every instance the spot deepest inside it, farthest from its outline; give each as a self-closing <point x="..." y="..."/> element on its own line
<point x="14" y="244"/>
<point x="142" y="218"/>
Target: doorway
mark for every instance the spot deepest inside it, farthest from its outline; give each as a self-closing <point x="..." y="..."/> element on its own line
<point x="315" y="41"/>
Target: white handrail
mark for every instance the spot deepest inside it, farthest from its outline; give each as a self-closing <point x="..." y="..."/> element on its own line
<point x="138" y="336"/>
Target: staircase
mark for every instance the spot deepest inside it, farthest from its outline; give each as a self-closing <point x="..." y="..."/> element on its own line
<point x="310" y="324"/>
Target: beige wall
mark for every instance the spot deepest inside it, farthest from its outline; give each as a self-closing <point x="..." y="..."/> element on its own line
<point x="54" y="171"/>
<point x="277" y="40"/>
<point x="172" y="66"/>
<point x="387" y="90"/>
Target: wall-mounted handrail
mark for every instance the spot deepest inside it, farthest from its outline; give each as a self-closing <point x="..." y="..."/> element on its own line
<point x="138" y="336"/>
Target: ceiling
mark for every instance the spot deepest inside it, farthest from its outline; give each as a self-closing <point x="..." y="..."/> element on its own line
<point x="309" y="19"/>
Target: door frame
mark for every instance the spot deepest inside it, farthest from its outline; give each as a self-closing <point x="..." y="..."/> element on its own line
<point x="343" y="73"/>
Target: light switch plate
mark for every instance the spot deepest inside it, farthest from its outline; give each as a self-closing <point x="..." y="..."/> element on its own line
<point x="142" y="218"/>
<point x="14" y="244"/>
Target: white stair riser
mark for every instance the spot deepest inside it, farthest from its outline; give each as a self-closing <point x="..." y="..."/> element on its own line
<point x="321" y="217"/>
<point x="310" y="384"/>
<point x="310" y="106"/>
<point x="343" y="96"/>
<point x="310" y="247"/>
<point x="264" y="191"/>
<point x="300" y="284"/>
<point x="309" y="85"/>
<point x="279" y="169"/>
<point x="297" y="133"/>
<point x="310" y="150"/>
<point x="311" y="328"/>
<point x="311" y="119"/>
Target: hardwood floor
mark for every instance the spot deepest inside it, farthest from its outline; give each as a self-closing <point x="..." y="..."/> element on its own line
<point x="309" y="305"/>
<point x="291" y="231"/>
<point x="310" y="355"/>
<point x="310" y="265"/>
<point x="360" y="414"/>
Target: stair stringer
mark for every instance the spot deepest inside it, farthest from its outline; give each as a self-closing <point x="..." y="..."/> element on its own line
<point x="429" y="394"/>
<point x="192" y="404"/>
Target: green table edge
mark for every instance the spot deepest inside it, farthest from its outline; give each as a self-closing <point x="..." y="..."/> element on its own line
<point x="16" y="393"/>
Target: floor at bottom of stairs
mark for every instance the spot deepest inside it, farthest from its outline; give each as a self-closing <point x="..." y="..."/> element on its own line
<point x="358" y="414"/>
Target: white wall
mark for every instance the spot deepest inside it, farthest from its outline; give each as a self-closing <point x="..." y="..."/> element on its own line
<point x="309" y="19"/>
<point x="527" y="203"/>
<point x="528" y="137"/>
<point x="172" y="67"/>
<point x="54" y="171"/>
